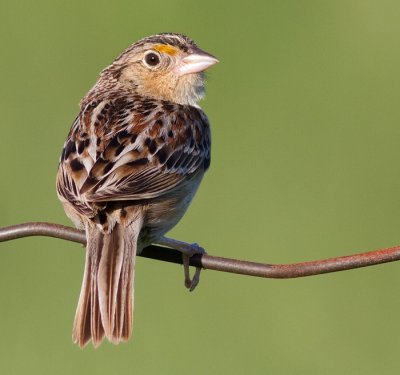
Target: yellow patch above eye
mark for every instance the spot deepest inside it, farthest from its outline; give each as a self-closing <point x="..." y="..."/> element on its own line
<point x="165" y="48"/>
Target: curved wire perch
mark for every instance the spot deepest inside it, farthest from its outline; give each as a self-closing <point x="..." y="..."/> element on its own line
<point x="279" y="271"/>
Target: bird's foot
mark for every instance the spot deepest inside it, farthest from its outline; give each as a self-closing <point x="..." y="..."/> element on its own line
<point x="187" y="250"/>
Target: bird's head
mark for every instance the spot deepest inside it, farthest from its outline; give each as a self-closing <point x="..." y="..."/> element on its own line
<point x="164" y="66"/>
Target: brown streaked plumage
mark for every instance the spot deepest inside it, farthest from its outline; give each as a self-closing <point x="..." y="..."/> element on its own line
<point x="131" y="164"/>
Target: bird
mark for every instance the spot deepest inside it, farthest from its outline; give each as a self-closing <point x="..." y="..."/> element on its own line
<point x="129" y="168"/>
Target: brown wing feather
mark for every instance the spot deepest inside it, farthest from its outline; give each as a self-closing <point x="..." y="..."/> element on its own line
<point x="126" y="149"/>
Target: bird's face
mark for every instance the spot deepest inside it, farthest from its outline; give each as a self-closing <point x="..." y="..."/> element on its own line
<point x="170" y="67"/>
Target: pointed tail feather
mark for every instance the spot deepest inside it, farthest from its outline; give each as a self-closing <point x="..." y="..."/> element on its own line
<point x="87" y="322"/>
<point x="106" y="301"/>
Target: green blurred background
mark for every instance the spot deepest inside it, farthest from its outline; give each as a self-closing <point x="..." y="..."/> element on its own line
<point x="305" y="116"/>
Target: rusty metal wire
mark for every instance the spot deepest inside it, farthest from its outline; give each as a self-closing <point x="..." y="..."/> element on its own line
<point x="278" y="271"/>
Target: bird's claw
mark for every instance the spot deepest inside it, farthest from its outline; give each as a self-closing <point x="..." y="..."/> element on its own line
<point x="191" y="283"/>
<point x="187" y="250"/>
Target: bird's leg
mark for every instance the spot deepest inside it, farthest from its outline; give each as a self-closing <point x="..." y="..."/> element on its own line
<point x="187" y="250"/>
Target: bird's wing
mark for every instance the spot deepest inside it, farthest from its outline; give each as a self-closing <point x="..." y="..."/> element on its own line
<point x="130" y="149"/>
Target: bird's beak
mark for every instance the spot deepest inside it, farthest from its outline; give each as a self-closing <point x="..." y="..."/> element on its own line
<point x="195" y="62"/>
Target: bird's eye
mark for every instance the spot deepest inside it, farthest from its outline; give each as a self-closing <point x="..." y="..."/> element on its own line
<point x="152" y="59"/>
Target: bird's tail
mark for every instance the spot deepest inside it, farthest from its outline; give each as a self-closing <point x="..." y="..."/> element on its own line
<point x="105" y="304"/>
